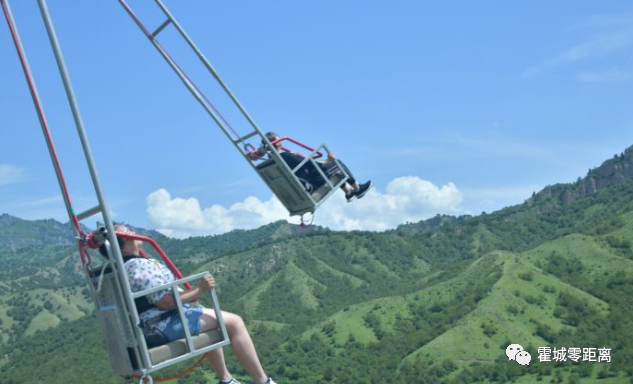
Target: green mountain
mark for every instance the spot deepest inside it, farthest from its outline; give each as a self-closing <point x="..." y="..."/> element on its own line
<point x="16" y="233"/>
<point x="431" y="302"/>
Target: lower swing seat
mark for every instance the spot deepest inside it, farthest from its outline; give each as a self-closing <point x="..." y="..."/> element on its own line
<point x="179" y="347"/>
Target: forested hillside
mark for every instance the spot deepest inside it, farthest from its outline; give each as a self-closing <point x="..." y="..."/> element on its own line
<point x="431" y="302"/>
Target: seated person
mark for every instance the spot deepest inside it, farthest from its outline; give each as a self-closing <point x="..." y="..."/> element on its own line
<point x="159" y="310"/>
<point x="310" y="177"/>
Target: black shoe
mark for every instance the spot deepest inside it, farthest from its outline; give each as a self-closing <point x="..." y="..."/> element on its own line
<point x="350" y="196"/>
<point x="363" y="189"/>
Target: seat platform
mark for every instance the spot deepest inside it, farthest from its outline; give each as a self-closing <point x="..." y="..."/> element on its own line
<point x="179" y="347"/>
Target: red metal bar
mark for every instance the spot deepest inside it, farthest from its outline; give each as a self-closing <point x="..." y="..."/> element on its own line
<point x="40" y="113"/>
<point x="157" y="248"/>
<point x="85" y="257"/>
<point x="90" y="241"/>
<point x="256" y="155"/>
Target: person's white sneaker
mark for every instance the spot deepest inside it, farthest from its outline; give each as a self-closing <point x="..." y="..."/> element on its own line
<point x="232" y="381"/>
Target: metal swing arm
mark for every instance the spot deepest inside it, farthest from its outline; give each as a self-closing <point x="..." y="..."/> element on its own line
<point x="115" y="256"/>
<point x="235" y="138"/>
<point x="121" y="282"/>
<point x="195" y="91"/>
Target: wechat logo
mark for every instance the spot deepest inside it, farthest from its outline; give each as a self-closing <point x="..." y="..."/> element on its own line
<point x="517" y="353"/>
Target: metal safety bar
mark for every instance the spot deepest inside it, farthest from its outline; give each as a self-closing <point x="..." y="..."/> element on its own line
<point x="173" y="286"/>
<point x="255" y="155"/>
<point x="89" y="212"/>
<point x="315" y="154"/>
<point x="311" y="158"/>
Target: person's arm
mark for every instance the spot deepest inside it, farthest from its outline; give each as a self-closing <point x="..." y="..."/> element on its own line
<point x="330" y="159"/>
<point x="168" y="302"/>
<point x="261" y="152"/>
<point x="258" y="154"/>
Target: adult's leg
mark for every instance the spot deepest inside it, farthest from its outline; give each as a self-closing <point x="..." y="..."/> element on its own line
<point x="216" y="359"/>
<point x="241" y="343"/>
<point x="351" y="180"/>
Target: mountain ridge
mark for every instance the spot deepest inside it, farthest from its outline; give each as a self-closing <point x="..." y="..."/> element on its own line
<point x="431" y="302"/>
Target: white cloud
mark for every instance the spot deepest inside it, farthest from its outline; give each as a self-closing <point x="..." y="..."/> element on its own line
<point x="180" y="217"/>
<point x="406" y="199"/>
<point x="10" y="174"/>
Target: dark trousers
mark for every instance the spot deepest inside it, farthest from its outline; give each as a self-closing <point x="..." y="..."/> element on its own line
<point x="332" y="169"/>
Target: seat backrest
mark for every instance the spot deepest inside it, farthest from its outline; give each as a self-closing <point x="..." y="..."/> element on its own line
<point x="119" y="341"/>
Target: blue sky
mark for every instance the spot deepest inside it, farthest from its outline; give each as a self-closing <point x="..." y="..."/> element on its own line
<point x="448" y="107"/>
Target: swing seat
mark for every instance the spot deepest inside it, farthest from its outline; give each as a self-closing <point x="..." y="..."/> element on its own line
<point x="179" y="347"/>
<point x="291" y="192"/>
<point x="123" y="347"/>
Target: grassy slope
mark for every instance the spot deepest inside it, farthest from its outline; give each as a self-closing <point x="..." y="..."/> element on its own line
<point x="350" y="320"/>
<point x="513" y="308"/>
<point x="596" y="258"/>
<point x="466" y="342"/>
<point x="66" y="304"/>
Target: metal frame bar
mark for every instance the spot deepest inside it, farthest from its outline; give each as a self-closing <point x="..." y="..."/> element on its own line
<point x="183" y="319"/>
<point x="136" y="295"/>
<point x="115" y="253"/>
<point x="311" y="158"/>
<point x="89" y="212"/>
<point x="218" y="314"/>
<point x="160" y="28"/>
<point x="245" y="137"/>
<point x="179" y="305"/>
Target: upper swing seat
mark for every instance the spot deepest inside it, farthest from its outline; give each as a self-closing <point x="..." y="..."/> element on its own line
<point x="306" y="185"/>
<point x="280" y="178"/>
